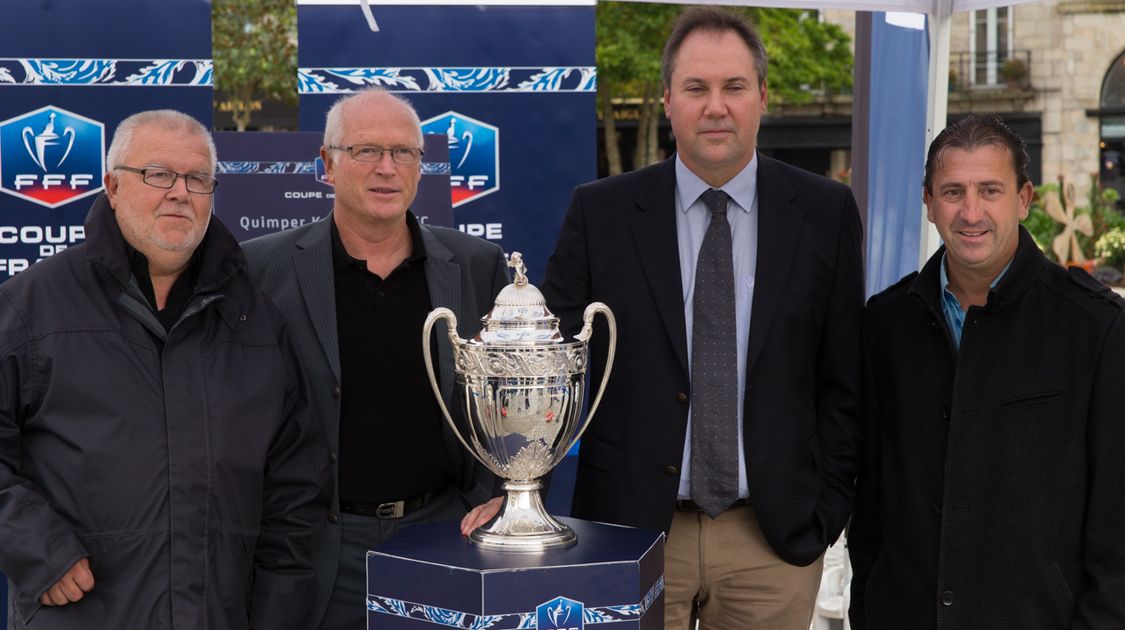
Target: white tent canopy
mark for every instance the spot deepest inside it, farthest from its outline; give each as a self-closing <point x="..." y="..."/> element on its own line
<point x="931" y="7"/>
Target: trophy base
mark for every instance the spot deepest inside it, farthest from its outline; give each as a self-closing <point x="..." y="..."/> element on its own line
<point x="522" y="524"/>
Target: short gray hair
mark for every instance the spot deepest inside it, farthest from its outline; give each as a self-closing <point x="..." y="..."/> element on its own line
<point x="334" y="121"/>
<point x="167" y="119"/>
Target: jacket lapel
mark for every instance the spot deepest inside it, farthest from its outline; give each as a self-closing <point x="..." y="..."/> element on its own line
<point x="443" y="280"/>
<point x="654" y="234"/>
<point x="779" y="228"/>
<point x="315" y="277"/>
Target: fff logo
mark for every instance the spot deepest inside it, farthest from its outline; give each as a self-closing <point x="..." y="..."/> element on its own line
<point x="474" y="155"/>
<point x="559" y="613"/>
<point x="51" y="156"/>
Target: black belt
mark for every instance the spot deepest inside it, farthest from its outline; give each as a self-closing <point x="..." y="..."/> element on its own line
<point x="687" y="505"/>
<point x="388" y="509"/>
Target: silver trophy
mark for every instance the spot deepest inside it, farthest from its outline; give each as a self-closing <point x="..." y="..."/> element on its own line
<point x="522" y="387"/>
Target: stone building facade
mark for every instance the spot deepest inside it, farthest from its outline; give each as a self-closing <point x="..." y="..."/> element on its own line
<point x="1070" y="49"/>
<point x="1055" y="69"/>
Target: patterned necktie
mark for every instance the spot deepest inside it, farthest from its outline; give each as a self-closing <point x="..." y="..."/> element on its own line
<point x="714" y="367"/>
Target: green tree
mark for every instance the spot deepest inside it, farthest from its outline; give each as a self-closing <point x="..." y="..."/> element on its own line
<point x="255" y="53"/>
<point x="807" y="57"/>
<point x="630" y="37"/>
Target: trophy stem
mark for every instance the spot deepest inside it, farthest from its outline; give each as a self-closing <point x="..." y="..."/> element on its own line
<point x="523" y="523"/>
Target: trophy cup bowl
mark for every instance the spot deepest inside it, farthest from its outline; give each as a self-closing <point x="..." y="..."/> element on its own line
<point x="521" y="387"/>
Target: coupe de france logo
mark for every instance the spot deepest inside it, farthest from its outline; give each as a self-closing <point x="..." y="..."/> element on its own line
<point x="474" y="155"/>
<point x="51" y="156"/>
<point x="559" y="614"/>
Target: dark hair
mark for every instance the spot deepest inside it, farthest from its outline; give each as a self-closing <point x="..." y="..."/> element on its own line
<point x="973" y="132"/>
<point x="712" y="20"/>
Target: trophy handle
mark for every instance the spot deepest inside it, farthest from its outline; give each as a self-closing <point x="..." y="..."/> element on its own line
<point x="451" y="321"/>
<point x="584" y="336"/>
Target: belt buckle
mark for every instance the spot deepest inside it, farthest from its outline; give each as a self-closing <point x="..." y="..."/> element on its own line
<point x="390" y="509"/>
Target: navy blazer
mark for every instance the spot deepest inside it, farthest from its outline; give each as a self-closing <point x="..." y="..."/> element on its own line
<point x="802" y="410"/>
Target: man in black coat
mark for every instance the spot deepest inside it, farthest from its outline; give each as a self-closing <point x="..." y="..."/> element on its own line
<point x="991" y="489"/>
<point x="159" y="466"/>
<point x="790" y="392"/>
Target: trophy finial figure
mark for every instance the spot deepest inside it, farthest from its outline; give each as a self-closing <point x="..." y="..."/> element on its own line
<point x="515" y="261"/>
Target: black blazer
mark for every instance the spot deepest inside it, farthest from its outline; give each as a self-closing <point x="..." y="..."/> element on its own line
<point x="294" y="268"/>
<point x="802" y="429"/>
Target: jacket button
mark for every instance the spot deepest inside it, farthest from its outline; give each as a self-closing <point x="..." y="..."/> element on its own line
<point x="945" y="413"/>
<point x="682" y="397"/>
<point x="332" y="456"/>
<point x="242" y="317"/>
<point x="671" y="470"/>
<point x="947" y="598"/>
<point x="335" y="391"/>
<point x="333" y="518"/>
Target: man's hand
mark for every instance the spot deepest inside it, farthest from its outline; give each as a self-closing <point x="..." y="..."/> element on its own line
<point x="71" y="587"/>
<point x="480" y="515"/>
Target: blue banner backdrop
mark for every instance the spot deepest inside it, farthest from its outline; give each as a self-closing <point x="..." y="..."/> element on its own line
<point x="512" y="88"/>
<point x="275" y="181"/>
<point x="69" y="73"/>
<point x="899" y="66"/>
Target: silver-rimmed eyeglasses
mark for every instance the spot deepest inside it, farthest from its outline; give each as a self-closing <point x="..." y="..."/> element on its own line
<point x="374" y="153"/>
<point x="164" y="178"/>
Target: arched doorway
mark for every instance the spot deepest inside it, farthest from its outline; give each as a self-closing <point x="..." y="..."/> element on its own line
<point x="1111" y="108"/>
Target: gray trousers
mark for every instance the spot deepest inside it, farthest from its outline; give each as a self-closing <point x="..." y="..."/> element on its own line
<point x="347" y="610"/>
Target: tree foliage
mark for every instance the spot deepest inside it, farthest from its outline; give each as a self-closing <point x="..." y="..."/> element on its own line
<point x="255" y="44"/>
<point x="807" y="57"/>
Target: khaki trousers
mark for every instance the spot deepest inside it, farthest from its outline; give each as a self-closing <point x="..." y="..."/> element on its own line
<point x="722" y="572"/>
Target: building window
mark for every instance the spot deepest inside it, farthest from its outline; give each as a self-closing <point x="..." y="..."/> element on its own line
<point x="990" y="44"/>
<point x="1112" y="112"/>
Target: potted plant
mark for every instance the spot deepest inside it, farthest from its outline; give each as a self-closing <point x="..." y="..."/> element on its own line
<point x="1014" y="72"/>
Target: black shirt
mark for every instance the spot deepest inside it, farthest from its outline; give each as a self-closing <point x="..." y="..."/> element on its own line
<point x="391" y="441"/>
<point x="182" y="289"/>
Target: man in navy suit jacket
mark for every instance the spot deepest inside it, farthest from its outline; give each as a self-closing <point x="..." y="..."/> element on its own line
<point x="632" y="241"/>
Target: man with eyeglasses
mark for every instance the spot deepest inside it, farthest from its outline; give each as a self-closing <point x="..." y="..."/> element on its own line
<point x="159" y="467"/>
<point x="355" y="289"/>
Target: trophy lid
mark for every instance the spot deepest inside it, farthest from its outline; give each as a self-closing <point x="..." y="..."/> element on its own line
<point x="520" y="314"/>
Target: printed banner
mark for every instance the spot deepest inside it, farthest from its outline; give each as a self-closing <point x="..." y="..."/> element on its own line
<point x="69" y="73"/>
<point x="276" y="181"/>
<point x="511" y="87"/>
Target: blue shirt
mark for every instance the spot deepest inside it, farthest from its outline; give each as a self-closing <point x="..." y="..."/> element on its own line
<point x="951" y="306"/>
<point x="692" y="219"/>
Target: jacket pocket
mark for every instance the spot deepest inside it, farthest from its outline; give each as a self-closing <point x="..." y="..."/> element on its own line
<point x="119" y="556"/>
<point x="1030" y="400"/>
<point x="597" y="454"/>
<point x="1061" y="594"/>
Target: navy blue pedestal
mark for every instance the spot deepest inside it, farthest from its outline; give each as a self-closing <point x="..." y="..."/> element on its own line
<point x="431" y="577"/>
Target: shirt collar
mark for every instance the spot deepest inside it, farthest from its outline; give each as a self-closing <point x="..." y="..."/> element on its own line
<point x="742" y="188"/>
<point x="341" y="259"/>
<point x="948" y="296"/>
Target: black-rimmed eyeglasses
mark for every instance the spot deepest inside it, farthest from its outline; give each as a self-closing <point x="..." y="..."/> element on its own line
<point x="374" y="153"/>
<point x="164" y="178"/>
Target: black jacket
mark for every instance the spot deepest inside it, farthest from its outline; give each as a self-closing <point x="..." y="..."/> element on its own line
<point x="192" y="476"/>
<point x="992" y="493"/>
